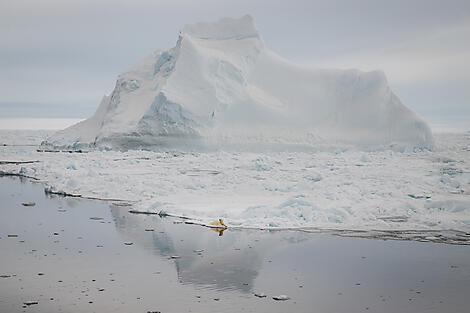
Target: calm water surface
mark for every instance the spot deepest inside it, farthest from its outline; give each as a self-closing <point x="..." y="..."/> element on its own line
<point x="72" y="255"/>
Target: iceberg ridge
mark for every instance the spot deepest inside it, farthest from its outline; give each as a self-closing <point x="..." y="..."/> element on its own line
<point x="220" y="80"/>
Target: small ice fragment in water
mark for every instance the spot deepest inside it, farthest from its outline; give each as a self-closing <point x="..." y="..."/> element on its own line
<point x="28" y="203"/>
<point x="418" y="196"/>
<point x="174" y="257"/>
<point x="281" y="298"/>
<point x="96" y="218"/>
<point x="121" y="204"/>
<point x="128" y="243"/>
<point x="30" y="302"/>
<point x="199" y="250"/>
<point x="260" y="295"/>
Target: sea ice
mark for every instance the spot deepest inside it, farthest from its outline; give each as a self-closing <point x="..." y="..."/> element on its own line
<point x="309" y="190"/>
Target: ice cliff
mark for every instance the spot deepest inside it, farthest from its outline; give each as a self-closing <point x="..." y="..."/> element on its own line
<point x="220" y="84"/>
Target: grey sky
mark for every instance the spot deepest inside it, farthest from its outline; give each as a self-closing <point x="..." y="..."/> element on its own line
<point x="57" y="58"/>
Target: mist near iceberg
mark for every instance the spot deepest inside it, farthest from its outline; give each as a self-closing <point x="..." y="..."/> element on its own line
<point x="220" y="86"/>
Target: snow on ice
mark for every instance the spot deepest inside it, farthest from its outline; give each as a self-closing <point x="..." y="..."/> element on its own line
<point x="221" y="86"/>
<point x="220" y="127"/>
<point x="345" y="188"/>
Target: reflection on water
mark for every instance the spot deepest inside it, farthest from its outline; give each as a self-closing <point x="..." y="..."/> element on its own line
<point x="219" y="231"/>
<point x="97" y="258"/>
<point x="231" y="261"/>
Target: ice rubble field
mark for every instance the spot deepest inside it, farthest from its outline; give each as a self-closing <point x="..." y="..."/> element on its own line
<point x="337" y="188"/>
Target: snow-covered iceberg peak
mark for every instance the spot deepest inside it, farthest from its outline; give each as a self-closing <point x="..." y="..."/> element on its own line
<point x="219" y="85"/>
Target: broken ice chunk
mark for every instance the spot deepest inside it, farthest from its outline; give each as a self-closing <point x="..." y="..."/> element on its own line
<point x="281" y="298"/>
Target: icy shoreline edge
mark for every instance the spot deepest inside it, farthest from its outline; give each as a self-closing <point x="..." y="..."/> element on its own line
<point x="446" y="236"/>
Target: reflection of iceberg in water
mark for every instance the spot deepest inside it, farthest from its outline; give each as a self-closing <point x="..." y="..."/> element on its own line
<point x="228" y="262"/>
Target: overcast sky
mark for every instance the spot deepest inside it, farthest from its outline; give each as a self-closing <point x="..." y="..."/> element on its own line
<point x="58" y="57"/>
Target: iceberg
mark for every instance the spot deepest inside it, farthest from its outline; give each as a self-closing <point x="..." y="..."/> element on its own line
<point x="220" y="85"/>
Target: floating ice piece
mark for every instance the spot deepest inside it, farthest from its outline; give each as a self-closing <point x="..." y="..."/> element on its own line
<point x="28" y="203"/>
<point x="281" y="298"/>
<point x="418" y="196"/>
<point x="95" y="218"/>
<point x="260" y="295"/>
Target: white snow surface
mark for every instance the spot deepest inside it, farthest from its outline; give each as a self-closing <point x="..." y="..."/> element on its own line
<point x="220" y="86"/>
<point x="338" y="188"/>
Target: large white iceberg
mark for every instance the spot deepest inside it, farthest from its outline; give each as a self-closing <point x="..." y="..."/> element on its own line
<point x="220" y="85"/>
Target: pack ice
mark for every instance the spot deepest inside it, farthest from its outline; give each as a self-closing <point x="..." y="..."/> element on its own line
<point x="219" y="85"/>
